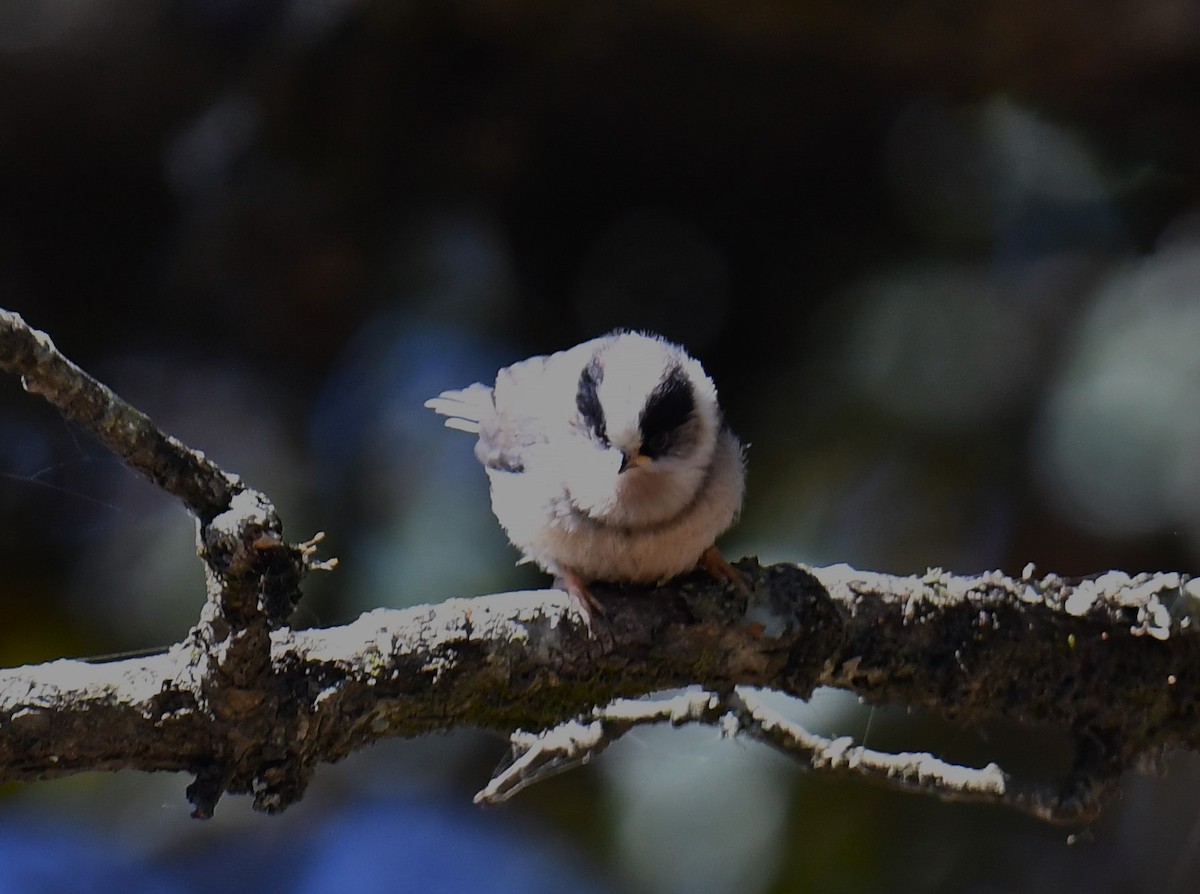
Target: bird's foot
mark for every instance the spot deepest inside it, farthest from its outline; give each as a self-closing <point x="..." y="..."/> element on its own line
<point x="588" y="604"/>
<point x="593" y="612"/>
<point x="721" y="571"/>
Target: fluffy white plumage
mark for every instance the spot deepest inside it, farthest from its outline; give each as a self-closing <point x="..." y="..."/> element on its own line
<point x="607" y="461"/>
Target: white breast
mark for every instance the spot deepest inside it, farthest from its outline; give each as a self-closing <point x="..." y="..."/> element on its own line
<point x="533" y="512"/>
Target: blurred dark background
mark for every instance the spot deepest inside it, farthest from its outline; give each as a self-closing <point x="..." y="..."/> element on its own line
<point x="941" y="259"/>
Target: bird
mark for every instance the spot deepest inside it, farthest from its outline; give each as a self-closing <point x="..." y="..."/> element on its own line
<point x="608" y="461"/>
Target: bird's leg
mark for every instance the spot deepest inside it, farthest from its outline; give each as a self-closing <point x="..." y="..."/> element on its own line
<point x="721" y="571"/>
<point x="578" y="590"/>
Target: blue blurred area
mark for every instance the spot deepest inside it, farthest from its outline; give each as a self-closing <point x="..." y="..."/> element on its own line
<point x="371" y="411"/>
<point x="44" y="857"/>
<point x="406" y="847"/>
<point x="386" y="466"/>
<point x="365" y="846"/>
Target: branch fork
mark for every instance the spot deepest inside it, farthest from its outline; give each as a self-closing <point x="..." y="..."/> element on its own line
<point x="248" y="704"/>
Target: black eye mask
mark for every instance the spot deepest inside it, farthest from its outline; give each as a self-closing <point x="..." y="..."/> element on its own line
<point x="667" y="410"/>
<point x="587" y="401"/>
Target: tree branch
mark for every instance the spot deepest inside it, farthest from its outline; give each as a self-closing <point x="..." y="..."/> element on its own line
<point x="250" y="705"/>
<point x="126" y="431"/>
<point x="525" y="660"/>
<point x="253" y="575"/>
<point x="537" y="756"/>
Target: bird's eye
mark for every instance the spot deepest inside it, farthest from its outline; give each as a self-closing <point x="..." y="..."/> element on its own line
<point x="587" y="400"/>
<point x="656" y="446"/>
<point x="667" y="409"/>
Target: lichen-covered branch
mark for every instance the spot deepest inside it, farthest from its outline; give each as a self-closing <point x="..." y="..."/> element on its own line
<point x="253" y="584"/>
<point x="248" y="704"/>
<point x="1077" y="655"/>
<point x="912" y="771"/>
<point x="743" y="711"/>
<point x="974" y="648"/>
<point x="185" y="473"/>
<point x="537" y="756"/>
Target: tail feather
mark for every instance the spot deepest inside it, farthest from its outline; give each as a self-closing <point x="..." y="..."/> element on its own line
<point x="464" y="408"/>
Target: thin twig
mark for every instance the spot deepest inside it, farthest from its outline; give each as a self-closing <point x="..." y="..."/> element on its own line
<point x="187" y="474"/>
<point x="537" y="756"/>
<point x="908" y="771"/>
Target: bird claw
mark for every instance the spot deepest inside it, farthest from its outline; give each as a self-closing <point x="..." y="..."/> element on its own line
<point x="578" y="590"/>
<point x="721" y="571"/>
<point x="589" y="606"/>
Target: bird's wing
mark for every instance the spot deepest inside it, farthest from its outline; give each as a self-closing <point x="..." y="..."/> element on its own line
<point x="519" y="422"/>
<point x="531" y="402"/>
<point x="500" y="416"/>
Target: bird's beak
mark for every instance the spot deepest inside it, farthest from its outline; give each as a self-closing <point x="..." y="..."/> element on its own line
<point x="632" y="460"/>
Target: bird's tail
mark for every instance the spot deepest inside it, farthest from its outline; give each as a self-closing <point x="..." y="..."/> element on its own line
<point x="464" y="409"/>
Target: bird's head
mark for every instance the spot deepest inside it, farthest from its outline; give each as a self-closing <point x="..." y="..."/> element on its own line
<point x="649" y="416"/>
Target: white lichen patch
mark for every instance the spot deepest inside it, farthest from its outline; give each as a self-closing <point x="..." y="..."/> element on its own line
<point x="677" y="709"/>
<point x="1136" y="591"/>
<point x="1082" y="598"/>
<point x="431" y="630"/>
<point x="729" y="725"/>
<point x="993" y="578"/>
<point x="244" y="506"/>
<point x="1142" y="593"/>
<point x="1153" y="619"/>
<point x="937" y="577"/>
<point x="844" y="579"/>
<point x="324" y="695"/>
<point x="437" y="665"/>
